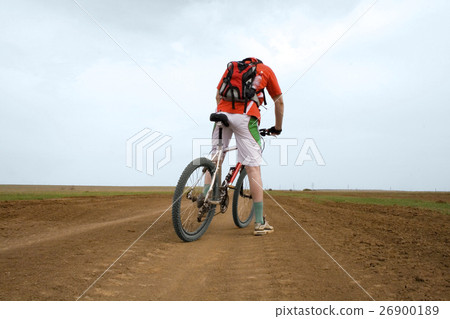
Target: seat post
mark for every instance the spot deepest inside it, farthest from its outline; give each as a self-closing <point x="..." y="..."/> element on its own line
<point x="220" y="126"/>
<point x="221" y="121"/>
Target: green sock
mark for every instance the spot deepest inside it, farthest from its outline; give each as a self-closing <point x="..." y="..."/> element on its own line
<point x="258" y="209"/>
<point x="206" y="188"/>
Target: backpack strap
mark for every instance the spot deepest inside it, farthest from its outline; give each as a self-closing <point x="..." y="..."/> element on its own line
<point x="232" y="98"/>
<point x="230" y="72"/>
<point x="264" y="95"/>
<point x="227" y="80"/>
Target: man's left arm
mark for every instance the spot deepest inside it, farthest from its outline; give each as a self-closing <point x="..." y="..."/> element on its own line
<point x="217" y="97"/>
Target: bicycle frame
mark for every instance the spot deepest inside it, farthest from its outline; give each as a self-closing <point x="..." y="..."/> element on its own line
<point x="218" y="158"/>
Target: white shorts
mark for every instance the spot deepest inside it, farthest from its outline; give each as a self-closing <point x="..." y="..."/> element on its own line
<point x="248" y="140"/>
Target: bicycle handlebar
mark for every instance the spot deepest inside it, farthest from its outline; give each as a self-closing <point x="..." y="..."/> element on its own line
<point x="266" y="131"/>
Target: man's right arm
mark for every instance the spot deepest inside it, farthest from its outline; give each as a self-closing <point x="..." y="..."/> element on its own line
<point x="279" y="111"/>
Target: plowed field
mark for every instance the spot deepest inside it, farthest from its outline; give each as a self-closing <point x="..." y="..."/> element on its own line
<point x="57" y="249"/>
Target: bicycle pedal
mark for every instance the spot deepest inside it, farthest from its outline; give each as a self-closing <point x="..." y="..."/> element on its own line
<point x="223" y="208"/>
<point x="200" y="200"/>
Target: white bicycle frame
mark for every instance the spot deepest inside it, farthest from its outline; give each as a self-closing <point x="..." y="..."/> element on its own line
<point x="218" y="158"/>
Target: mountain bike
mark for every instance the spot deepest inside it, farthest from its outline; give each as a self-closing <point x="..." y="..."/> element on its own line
<point x="192" y="209"/>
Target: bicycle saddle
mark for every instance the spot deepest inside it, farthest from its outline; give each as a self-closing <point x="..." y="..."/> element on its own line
<point x="216" y="117"/>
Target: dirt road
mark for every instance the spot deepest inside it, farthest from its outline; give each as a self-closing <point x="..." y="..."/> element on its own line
<point x="55" y="250"/>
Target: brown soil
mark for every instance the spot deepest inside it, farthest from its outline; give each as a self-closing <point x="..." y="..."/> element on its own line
<point x="55" y="249"/>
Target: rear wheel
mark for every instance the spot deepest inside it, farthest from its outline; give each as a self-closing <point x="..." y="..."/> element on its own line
<point x="242" y="201"/>
<point x="189" y="224"/>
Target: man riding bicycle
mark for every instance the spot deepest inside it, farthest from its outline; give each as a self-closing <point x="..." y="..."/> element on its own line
<point x="241" y="104"/>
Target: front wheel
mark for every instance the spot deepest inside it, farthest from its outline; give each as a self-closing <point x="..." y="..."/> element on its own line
<point x="188" y="223"/>
<point x="242" y="201"/>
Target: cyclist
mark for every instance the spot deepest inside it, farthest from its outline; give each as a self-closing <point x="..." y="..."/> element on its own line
<point x="244" y="121"/>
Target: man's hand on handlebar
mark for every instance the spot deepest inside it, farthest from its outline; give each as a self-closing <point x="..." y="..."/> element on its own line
<point x="270" y="131"/>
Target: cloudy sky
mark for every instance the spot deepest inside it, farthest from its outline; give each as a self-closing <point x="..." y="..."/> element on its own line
<point x="371" y="88"/>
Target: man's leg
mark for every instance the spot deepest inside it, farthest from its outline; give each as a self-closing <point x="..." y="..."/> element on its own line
<point x="226" y="136"/>
<point x="254" y="177"/>
<point x="262" y="227"/>
<point x="248" y="141"/>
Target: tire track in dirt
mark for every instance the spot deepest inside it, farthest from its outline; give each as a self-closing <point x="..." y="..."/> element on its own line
<point x="37" y="239"/>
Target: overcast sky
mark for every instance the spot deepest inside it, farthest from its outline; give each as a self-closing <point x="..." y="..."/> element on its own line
<point x="376" y="104"/>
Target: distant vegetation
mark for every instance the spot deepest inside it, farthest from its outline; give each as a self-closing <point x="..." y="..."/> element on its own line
<point x="364" y="198"/>
<point x="425" y="200"/>
<point x="53" y="195"/>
